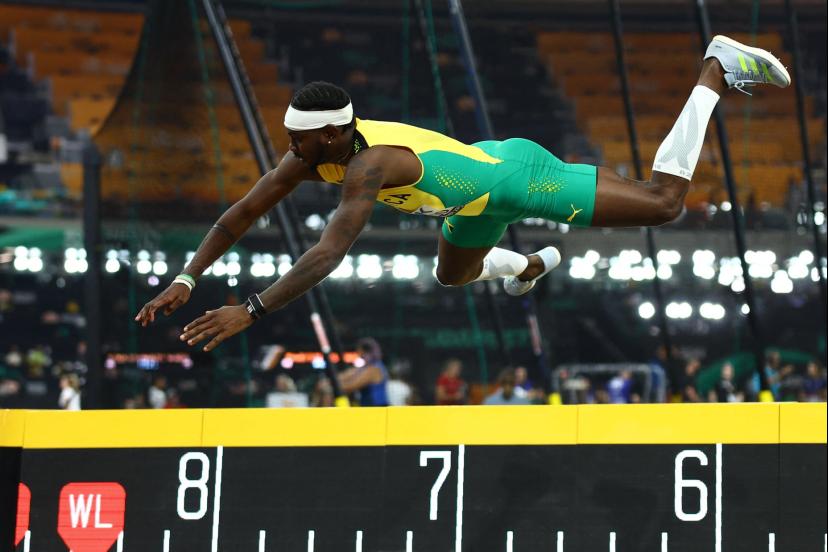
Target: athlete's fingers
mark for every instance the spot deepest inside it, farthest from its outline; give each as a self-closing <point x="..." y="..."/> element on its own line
<point x="203" y="334"/>
<point x="196" y="326"/>
<point x="214" y="342"/>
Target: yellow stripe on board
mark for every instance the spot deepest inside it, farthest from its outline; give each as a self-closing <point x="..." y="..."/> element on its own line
<point x="803" y="422"/>
<point x="113" y="428"/>
<point x="678" y="424"/>
<point x="482" y="425"/>
<point x="12" y="424"/>
<point x="305" y="427"/>
<point x="750" y="423"/>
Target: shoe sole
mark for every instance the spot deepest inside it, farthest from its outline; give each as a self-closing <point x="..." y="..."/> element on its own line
<point x="758" y="52"/>
<point x="533" y="281"/>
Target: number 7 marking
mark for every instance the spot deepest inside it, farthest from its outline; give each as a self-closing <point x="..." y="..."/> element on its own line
<point x="445" y="456"/>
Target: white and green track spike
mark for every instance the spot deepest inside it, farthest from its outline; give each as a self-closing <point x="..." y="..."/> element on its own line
<point x="745" y="66"/>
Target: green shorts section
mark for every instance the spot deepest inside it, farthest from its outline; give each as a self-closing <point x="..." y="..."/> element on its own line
<point x="532" y="184"/>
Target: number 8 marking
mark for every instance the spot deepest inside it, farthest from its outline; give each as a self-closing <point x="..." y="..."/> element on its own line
<point x="681" y="484"/>
<point x="445" y="456"/>
<point x="186" y="484"/>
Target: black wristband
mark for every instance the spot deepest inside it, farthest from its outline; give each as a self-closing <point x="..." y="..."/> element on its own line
<point x="255" y="307"/>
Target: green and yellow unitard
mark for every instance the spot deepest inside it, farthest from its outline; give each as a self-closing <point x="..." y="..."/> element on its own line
<point x="481" y="188"/>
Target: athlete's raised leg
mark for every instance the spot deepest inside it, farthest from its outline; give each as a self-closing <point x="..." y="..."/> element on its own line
<point x="621" y="201"/>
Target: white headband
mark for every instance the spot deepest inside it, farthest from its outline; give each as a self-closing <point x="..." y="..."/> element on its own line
<point x="311" y="120"/>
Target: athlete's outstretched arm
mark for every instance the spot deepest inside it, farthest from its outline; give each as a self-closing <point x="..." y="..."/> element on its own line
<point x="362" y="183"/>
<point x="268" y="191"/>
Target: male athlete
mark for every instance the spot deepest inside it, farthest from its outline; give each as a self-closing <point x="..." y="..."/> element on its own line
<point x="479" y="189"/>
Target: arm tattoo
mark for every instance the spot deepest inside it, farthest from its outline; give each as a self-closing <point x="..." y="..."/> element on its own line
<point x="359" y="192"/>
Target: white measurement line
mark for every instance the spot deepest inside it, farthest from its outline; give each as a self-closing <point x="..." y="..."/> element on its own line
<point x="510" y="537"/>
<point x="560" y="541"/>
<point x="311" y="538"/>
<point x="664" y="542"/>
<point x="612" y="542"/>
<point x="718" y="497"/>
<point x="217" y="497"/>
<point x="26" y="538"/>
<point x="166" y="540"/>
<point x="824" y="542"/>
<point x="409" y="541"/>
<point x="120" y="546"/>
<point x="262" y="537"/>
<point x="458" y="525"/>
<point x="771" y="542"/>
<point x="359" y="541"/>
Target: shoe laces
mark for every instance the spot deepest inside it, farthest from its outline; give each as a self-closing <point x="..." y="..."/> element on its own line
<point x="741" y="86"/>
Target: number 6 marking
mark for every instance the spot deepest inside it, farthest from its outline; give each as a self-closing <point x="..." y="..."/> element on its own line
<point x="445" y="456"/>
<point x="681" y="484"/>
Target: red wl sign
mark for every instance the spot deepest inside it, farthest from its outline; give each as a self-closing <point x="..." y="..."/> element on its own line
<point x="91" y="515"/>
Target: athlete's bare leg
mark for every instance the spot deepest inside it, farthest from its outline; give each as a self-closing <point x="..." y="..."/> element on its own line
<point x="621" y="201"/>
<point x="457" y="266"/>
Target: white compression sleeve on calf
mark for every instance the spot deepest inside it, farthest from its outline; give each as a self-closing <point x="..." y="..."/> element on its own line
<point x="680" y="151"/>
<point x="502" y="262"/>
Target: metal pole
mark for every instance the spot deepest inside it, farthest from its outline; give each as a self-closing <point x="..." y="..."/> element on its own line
<point x="736" y="213"/>
<point x="636" y="156"/>
<point x="265" y="158"/>
<point x="92" y="280"/>
<point x="819" y="255"/>
<point x="485" y="125"/>
<point x="442" y="104"/>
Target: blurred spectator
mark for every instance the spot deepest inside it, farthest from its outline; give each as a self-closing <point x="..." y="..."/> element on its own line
<point x="13" y="358"/>
<point x="37" y="360"/>
<point x="157" y="393"/>
<point x="368" y="376"/>
<point x="286" y="394"/>
<point x="70" y="395"/>
<point x="399" y="391"/>
<point x="174" y="399"/>
<point x="524" y="385"/>
<point x="450" y="388"/>
<point x="775" y="373"/>
<point x="664" y="366"/>
<point x="813" y="384"/>
<point x="620" y="389"/>
<point x="322" y="394"/>
<point x="790" y="383"/>
<point x="687" y="382"/>
<point x="505" y="394"/>
<point x="285" y="384"/>
<point x="9" y="385"/>
<point x="136" y="401"/>
<point x="725" y="390"/>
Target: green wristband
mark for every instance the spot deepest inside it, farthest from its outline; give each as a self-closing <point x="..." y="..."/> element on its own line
<point x="188" y="278"/>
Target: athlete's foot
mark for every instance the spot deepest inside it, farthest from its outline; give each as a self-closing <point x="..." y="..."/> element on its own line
<point x="731" y="64"/>
<point x="540" y="264"/>
<point x="533" y="270"/>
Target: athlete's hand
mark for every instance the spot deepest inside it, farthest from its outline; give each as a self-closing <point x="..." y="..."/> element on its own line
<point x="218" y="324"/>
<point x="170" y="299"/>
